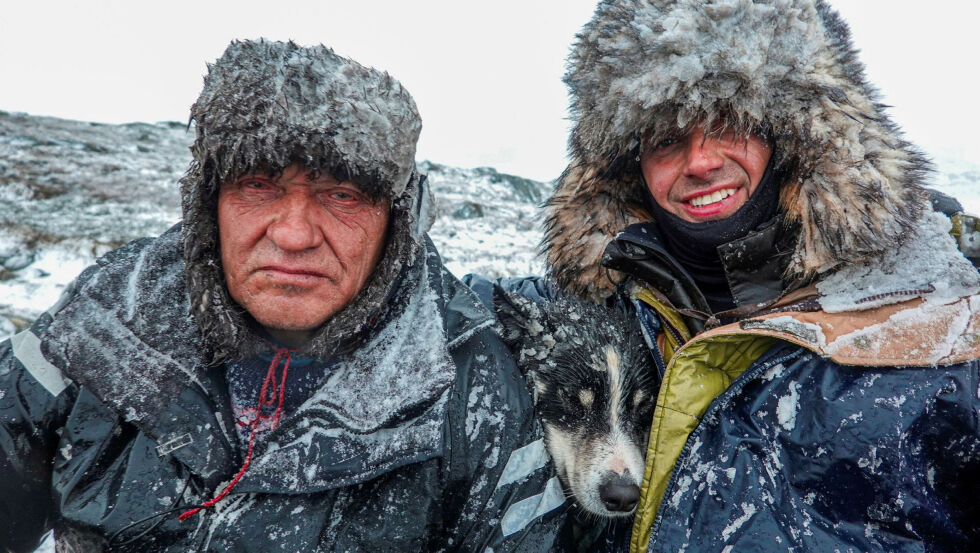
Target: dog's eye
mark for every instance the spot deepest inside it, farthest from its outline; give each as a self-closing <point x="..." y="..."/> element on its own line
<point x="568" y="407"/>
<point x="579" y="401"/>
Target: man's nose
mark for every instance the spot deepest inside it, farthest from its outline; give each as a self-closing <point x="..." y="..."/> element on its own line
<point x="294" y="228"/>
<point x="703" y="156"/>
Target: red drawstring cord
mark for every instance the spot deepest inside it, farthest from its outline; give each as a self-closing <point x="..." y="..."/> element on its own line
<point x="280" y="387"/>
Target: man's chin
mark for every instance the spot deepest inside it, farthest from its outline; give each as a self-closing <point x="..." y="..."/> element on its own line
<point x="300" y="324"/>
<point x="291" y="315"/>
<point x="291" y="333"/>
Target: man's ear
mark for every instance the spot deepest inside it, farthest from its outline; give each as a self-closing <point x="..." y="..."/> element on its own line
<point x="515" y="313"/>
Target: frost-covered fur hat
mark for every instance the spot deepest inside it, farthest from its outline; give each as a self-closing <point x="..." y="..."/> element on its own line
<point x="645" y="70"/>
<point x="267" y="105"/>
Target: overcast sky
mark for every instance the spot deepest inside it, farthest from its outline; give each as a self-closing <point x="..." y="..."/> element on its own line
<point x="486" y="75"/>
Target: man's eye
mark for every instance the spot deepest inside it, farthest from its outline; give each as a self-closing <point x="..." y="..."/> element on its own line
<point x="255" y="184"/>
<point x="345" y="196"/>
<point x="665" y="143"/>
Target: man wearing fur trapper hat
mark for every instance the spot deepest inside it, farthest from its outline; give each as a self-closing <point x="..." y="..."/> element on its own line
<point x="291" y="368"/>
<point x="736" y="181"/>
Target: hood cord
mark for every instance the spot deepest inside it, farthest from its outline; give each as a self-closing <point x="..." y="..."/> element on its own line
<point x="267" y="398"/>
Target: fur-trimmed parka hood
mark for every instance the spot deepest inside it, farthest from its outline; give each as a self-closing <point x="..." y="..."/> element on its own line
<point x="266" y="105"/>
<point x="645" y="70"/>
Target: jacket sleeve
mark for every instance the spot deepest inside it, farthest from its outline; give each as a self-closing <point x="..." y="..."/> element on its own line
<point x="502" y="494"/>
<point x="33" y="399"/>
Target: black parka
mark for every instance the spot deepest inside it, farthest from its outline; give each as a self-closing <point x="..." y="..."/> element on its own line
<point x="110" y="414"/>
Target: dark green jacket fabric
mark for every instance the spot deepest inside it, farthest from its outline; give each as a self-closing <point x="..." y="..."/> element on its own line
<point x="421" y="440"/>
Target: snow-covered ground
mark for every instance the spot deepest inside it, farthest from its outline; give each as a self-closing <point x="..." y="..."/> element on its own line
<point x="70" y="191"/>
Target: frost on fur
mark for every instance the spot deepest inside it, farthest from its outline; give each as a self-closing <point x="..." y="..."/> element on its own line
<point x="642" y="71"/>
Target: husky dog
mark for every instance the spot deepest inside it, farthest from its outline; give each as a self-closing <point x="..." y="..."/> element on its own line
<point x="594" y="388"/>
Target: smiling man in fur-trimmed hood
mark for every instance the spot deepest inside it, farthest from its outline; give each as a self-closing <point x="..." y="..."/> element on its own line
<point x="735" y="180"/>
<point x="291" y="368"/>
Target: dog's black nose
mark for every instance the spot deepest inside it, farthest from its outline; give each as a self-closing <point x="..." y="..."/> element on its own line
<point x="619" y="494"/>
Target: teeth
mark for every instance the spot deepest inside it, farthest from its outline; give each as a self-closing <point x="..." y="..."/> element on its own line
<point x="714" y="197"/>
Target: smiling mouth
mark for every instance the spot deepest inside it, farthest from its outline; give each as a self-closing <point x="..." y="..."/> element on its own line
<point x="712" y="198"/>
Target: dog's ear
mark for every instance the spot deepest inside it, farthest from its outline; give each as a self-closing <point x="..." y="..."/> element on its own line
<point x="516" y="314"/>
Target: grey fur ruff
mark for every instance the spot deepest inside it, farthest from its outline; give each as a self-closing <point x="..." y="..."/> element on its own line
<point x="266" y="105"/>
<point x="645" y="70"/>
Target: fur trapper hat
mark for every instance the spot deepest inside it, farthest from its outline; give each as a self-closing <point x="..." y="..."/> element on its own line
<point x="267" y="105"/>
<point x="645" y="70"/>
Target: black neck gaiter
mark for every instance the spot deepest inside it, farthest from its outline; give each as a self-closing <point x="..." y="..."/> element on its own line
<point x="695" y="245"/>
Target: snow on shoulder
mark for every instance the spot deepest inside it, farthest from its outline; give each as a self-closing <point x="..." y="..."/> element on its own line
<point x="927" y="265"/>
<point x="915" y="306"/>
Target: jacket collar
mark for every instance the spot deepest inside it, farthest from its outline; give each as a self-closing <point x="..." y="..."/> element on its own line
<point x="754" y="266"/>
<point x="382" y="407"/>
<point x="126" y="336"/>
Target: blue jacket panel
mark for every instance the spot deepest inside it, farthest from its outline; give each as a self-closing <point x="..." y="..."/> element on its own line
<point x="803" y="454"/>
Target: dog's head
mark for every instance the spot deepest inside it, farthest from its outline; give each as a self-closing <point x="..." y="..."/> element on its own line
<point x="594" y="388"/>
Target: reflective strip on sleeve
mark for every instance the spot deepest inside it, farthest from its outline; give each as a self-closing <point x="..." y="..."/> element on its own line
<point x="27" y="350"/>
<point x="523" y="462"/>
<point x="522" y="513"/>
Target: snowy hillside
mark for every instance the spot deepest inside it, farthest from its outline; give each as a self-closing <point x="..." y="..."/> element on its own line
<point x="70" y="191"/>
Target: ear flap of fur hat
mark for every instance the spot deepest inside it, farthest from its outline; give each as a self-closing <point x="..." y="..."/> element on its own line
<point x="267" y="105"/>
<point x="644" y="70"/>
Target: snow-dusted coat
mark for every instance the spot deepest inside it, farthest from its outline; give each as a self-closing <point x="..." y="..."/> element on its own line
<point x="421" y="439"/>
<point x="114" y="412"/>
<point x="839" y="412"/>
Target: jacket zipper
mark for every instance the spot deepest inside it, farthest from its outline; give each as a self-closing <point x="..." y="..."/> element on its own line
<point x="714" y="407"/>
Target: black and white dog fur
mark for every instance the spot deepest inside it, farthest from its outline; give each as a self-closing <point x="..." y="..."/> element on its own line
<point x="594" y="389"/>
